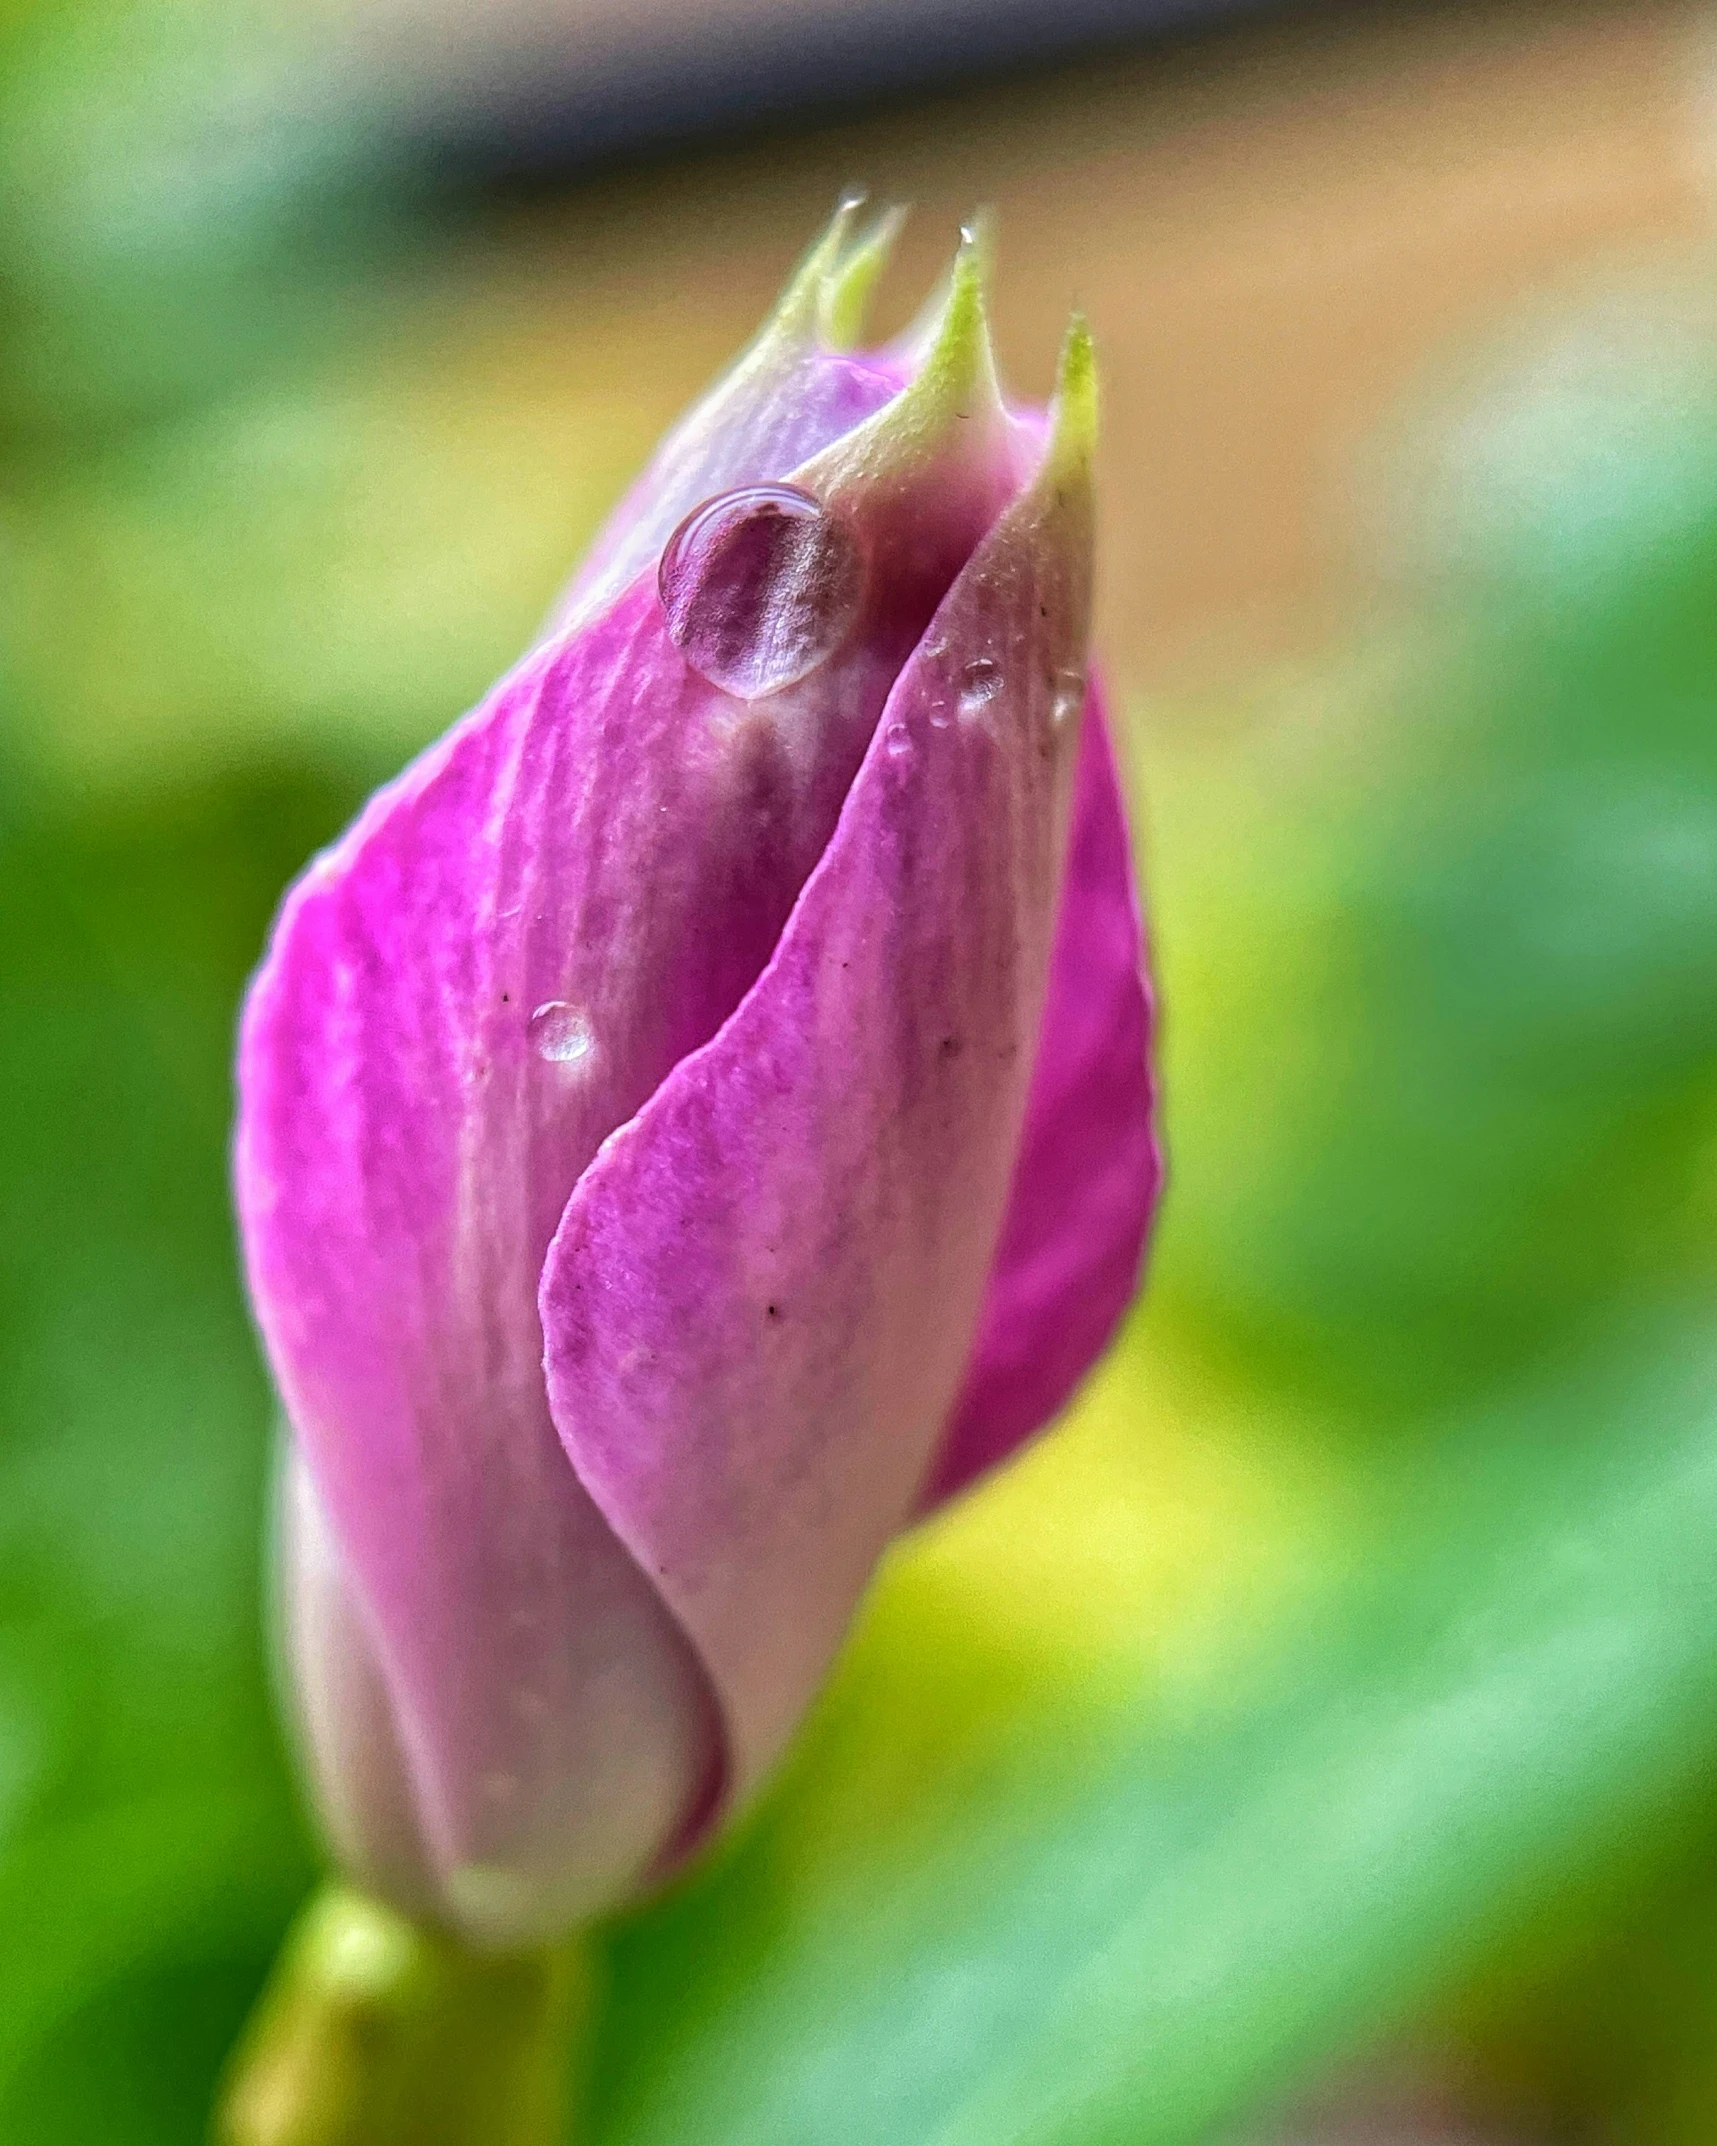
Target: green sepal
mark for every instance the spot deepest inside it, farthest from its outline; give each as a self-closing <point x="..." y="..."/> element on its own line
<point x="375" y="2031"/>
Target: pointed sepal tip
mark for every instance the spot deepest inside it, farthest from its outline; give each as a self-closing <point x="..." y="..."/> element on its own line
<point x="847" y="286"/>
<point x="957" y="370"/>
<point x="1073" y="415"/>
<point x="799" y="309"/>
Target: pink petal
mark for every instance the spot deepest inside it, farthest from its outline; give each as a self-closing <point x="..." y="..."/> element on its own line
<point x="405" y="1152"/>
<point x="1089" y="1168"/>
<point x="760" y="1302"/>
<point x="495" y="968"/>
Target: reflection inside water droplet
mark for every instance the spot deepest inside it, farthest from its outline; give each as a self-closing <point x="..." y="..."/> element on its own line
<point x="980" y="682"/>
<point x="760" y="586"/>
<point x="560" y="1034"/>
<point x="897" y="741"/>
<point x="1066" y="695"/>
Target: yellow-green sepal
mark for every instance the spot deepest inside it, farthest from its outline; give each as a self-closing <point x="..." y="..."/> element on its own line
<point x="375" y="2031"/>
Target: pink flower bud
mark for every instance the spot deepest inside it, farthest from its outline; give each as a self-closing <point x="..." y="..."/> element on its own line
<point x="696" y="1119"/>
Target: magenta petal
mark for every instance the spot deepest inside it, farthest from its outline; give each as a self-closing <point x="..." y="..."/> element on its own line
<point x="496" y="967"/>
<point x="759" y="1305"/>
<point x="499" y="965"/>
<point x="1089" y="1167"/>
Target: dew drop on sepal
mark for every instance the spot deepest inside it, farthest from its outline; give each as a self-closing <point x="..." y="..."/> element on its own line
<point x="980" y="682"/>
<point x="759" y="587"/>
<point x="560" y="1034"/>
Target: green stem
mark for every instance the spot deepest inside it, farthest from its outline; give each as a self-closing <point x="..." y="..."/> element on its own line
<point x="375" y="2031"/>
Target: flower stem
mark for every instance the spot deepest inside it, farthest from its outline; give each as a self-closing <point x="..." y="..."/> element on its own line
<point x="375" y="2031"/>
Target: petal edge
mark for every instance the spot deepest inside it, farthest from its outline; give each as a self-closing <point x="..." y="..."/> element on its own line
<point x="761" y="1296"/>
<point x="1089" y="1172"/>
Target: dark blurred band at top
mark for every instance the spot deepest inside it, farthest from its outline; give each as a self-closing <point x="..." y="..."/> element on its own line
<point x="536" y="88"/>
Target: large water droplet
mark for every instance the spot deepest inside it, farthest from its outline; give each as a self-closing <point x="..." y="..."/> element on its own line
<point x="560" y="1034"/>
<point x="980" y="682"/>
<point x="759" y="587"/>
<point x="897" y="741"/>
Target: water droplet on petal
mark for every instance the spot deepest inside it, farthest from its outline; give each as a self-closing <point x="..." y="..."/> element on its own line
<point x="1066" y="695"/>
<point x="760" y="586"/>
<point x="980" y="682"/>
<point x="560" y="1034"/>
<point x="897" y="741"/>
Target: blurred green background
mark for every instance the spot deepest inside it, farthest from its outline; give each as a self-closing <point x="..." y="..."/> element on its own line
<point x="1316" y="1739"/>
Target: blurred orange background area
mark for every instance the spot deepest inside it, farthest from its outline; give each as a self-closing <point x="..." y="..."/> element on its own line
<point x="1275" y="231"/>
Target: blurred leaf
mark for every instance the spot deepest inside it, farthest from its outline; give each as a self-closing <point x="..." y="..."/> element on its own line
<point x="1130" y="1937"/>
<point x="1441" y="1080"/>
<point x="134" y="1947"/>
<point x="148" y="1845"/>
<point x="339" y="563"/>
<point x="193" y="193"/>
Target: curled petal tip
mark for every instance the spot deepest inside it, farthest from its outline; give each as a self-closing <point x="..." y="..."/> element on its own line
<point x="847" y="287"/>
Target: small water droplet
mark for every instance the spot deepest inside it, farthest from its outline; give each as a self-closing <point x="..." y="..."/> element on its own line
<point x="1067" y="695"/>
<point x="560" y="1034"/>
<point x="897" y="741"/>
<point x="760" y="586"/>
<point x="980" y="682"/>
<point x="941" y="716"/>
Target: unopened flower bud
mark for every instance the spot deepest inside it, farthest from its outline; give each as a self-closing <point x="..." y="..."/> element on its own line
<point x="697" y="1119"/>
